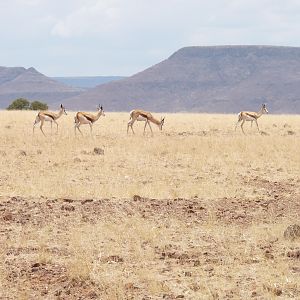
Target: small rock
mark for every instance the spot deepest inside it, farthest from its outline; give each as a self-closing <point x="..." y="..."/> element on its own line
<point x="293" y="253"/>
<point x="98" y="151"/>
<point x="68" y="200"/>
<point x="292" y="232"/>
<point x="8" y="217"/>
<point x="137" y="198"/>
<point x="208" y="268"/>
<point x="68" y="207"/>
<point x="264" y="133"/>
<point x="86" y="201"/>
<point x="295" y="270"/>
<point x="277" y="291"/>
<point x="2" y="153"/>
<point x="22" y="153"/>
<point x="114" y="258"/>
<point x="39" y="151"/>
<point x="35" y="267"/>
<point x="254" y="294"/>
<point x="129" y="286"/>
<point x="77" y="160"/>
<point x="291" y="132"/>
<point x="269" y="255"/>
<point x="93" y="295"/>
<point x="197" y="263"/>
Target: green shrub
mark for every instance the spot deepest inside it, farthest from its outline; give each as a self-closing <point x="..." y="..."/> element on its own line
<point x="24" y="104"/>
<point x="37" y="105"/>
<point x="19" y="104"/>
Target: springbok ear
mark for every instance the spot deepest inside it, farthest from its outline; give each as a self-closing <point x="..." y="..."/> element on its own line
<point x="101" y="107"/>
<point x="61" y="106"/>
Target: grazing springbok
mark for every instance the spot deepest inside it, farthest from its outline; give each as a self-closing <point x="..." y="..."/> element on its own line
<point x="50" y="117"/>
<point x="244" y="116"/>
<point x="141" y="115"/>
<point x="87" y="118"/>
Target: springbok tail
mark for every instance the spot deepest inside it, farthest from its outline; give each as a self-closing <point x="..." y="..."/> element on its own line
<point x="239" y="117"/>
<point x="37" y="119"/>
<point x="130" y="115"/>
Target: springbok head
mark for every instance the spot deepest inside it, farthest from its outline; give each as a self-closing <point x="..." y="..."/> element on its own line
<point x="63" y="109"/>
<point x="100" y="110"/>
<point x="162" y="121"/>
<point x="264" y="109"/>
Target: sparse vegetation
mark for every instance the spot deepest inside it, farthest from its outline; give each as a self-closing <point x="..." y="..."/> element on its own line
<point x="198" y="211"/>
<point x="24" y="104"/>
<point x="37" y="105"/>
<point x="19" y="104"/>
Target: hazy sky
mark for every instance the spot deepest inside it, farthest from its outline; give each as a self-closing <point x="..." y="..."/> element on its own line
<point x="122" y="37"/>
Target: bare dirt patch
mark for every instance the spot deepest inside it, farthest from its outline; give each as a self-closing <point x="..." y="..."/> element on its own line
<point x="142" y="248"/>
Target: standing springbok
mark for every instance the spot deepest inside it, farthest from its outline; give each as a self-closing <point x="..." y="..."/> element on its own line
<point x="49" y="116"/>
<point x="87" y="118"/>
<point x="251" y="116"/>
<point x="141" y="115"/>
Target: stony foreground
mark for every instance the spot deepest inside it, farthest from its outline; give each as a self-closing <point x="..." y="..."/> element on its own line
<point x="143" y="248"/>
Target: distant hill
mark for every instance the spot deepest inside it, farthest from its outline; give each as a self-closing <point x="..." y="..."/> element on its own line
<point x="29" y="83"/>
<point x="219" y="79"/>
<point x="87" y="82"/>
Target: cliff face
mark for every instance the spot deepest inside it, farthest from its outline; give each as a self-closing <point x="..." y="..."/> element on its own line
<point x="207" y="79"/>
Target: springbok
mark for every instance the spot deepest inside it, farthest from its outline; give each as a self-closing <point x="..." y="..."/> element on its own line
<point x="87" y="118"/>
<point x="141" y="115"/>
<point x="244" y="116"/>
<point x="43" y="116"/>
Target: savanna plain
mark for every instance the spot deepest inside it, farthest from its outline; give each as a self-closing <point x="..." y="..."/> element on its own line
<point x="198" y="211"/>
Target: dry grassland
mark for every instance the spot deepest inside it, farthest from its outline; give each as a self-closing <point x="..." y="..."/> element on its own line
<point x="195" y="212"/>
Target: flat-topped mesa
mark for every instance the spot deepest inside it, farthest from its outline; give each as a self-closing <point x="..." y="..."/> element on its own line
<point x="211" y="79"/>
<point x="235" y="51"/>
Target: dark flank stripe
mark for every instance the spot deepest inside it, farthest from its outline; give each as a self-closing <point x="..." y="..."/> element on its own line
<point x="49" y="115"/>
<point x="90" y="119"/>
<point x="144" y="115"/>
<point x="252" y="116"/>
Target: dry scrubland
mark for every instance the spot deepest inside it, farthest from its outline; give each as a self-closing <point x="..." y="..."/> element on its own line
<point x="195" y="212"/>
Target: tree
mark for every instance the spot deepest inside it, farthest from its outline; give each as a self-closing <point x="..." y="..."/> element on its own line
<point x="24" y="104"/>
<point x="37" y="105"/>
<point x="19" y="104"/>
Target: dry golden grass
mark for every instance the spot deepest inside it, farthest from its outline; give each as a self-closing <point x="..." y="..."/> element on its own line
<point x="194" y="155"/>
<point x="209" y="225"/>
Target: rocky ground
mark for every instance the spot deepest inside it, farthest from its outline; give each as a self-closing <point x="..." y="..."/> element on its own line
<point x="143" y="248"/>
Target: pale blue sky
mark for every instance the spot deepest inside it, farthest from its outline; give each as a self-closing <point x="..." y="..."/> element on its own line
<point x="122" y="37"/>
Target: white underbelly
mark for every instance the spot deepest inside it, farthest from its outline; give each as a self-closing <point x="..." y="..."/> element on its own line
<point x="84" y="121"/>
<point x="249" y="119"/>
<point x="47" y="118"/>
<point x="141" y="119"/>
